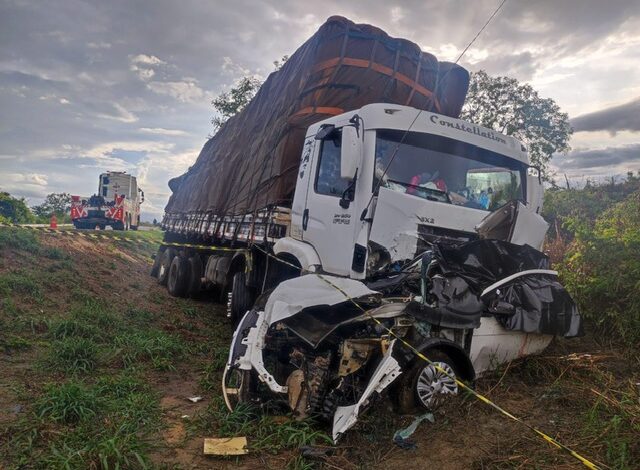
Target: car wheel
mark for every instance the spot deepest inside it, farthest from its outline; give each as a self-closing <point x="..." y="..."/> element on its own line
<point x="165" y="264"/>
<point x="427" y="385"/>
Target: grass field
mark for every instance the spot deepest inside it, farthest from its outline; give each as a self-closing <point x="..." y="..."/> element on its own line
<point x="97" y="364"/>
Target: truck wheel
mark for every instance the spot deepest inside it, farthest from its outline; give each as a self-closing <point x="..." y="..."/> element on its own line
<point x="178" y="277"/>
<point x="425" y="386"/>
<point x="118" y="226"/>
<point x="155" y="269"/>
<point x="241" y="297"/>
<point x="194" y="270"/>
<point x="165" y="264"/>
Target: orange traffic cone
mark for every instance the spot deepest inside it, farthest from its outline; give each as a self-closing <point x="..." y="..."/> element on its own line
<point x="54" y="222"/>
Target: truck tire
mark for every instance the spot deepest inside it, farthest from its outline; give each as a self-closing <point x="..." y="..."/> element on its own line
<point x="165" y="264"/>
<point x="155" y="269"/>
<point x="241" y="297"/>
<point x="118" y="226"/>
<point x="195" y="271"/>
<point x="178" y="277"/>
<point x="425" y="387"/>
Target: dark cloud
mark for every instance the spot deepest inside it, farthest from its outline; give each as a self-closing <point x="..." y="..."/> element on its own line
<point x="625" y="117"/>
<point x="82" y="83"/>
<point x="610" y="157"/>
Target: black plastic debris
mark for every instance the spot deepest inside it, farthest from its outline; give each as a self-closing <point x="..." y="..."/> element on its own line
<point x="532" y="303"/>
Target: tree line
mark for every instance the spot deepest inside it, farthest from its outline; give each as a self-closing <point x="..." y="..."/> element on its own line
<point x="15" y="210"/>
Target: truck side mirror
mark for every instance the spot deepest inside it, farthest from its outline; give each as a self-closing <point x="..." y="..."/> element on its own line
<point x="351" y="152"/>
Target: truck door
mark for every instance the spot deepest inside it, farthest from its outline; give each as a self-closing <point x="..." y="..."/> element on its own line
<point x="326" y="223"/>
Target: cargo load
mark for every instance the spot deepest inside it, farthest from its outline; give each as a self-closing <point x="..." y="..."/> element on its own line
<point x="252" y="162"/>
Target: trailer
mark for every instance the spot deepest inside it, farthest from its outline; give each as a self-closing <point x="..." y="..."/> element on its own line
<point x="117" y="204"/>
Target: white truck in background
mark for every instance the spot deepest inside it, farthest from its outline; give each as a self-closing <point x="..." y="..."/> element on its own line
<point x="117" y="204"/>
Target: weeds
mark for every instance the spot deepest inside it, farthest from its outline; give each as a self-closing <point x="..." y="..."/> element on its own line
<point x="156" y="347"/>
<point x="69" y="328"/>
<point x="68" y="403"/>
<point x="74" y="355"/>
<point x="20" y="283"/>
<point x="19" y="239"/>
<point x="266" y="433"/>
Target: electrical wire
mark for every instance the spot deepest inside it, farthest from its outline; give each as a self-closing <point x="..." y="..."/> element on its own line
<point x="435" y="91"/>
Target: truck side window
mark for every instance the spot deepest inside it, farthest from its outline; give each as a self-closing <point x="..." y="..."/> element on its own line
<point x="105" y="180"/>
<point x="104" y="191"/>
<point x="328" y="179"/>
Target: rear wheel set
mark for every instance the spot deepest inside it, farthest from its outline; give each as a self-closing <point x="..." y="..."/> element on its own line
<point x="181" y="275"/>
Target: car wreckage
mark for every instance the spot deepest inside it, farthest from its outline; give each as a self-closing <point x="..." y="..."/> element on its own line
<point x="328" y="346"/>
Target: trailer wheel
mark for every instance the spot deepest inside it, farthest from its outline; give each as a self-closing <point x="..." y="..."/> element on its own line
<point x="425" y="385"/>
<point x="241" y="297"/>
<point x="194" y="271"/>
<point x="155" y="269"/>
<point x="178" y="277"/>
<point x="165" y="264"/>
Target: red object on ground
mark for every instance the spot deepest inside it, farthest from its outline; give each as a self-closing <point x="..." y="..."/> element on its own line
<point x="54" y="222"/>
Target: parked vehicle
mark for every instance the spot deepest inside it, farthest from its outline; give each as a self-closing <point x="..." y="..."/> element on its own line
<point x="117" y="204"/>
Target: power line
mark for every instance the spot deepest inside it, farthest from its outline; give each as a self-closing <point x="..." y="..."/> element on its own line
<point x="406" y="133"/>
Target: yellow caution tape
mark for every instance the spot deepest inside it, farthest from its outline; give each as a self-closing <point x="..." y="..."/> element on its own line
<point x="587" y="463"/>
<point x="75" y="233"/>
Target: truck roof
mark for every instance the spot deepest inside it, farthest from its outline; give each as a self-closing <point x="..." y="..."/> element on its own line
<point x="391" y="116"/>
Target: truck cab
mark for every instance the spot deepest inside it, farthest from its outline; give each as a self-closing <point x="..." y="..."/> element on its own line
<point x="370" y="194"/>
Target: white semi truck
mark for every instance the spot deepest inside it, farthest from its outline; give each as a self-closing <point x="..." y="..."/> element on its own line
<point x="442" y="177"/>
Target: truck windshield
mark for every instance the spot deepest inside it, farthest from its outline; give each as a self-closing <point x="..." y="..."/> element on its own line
<point x="446" y="170"/>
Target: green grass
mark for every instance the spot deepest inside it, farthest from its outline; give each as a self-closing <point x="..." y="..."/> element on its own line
<point x="69" y="328"/>
<point x="68" y="403"/>
<point x="19" y="239"/>
<point x="264" y="433"/>
<point x="157" y="348"/>
<point x="20" y="283"/>
<point x="73" y="355"/>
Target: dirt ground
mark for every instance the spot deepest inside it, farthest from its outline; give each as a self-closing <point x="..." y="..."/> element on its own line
<point x="560" y="392"/>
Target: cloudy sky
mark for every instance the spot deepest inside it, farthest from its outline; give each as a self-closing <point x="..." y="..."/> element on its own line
<point x="87" y="86"/>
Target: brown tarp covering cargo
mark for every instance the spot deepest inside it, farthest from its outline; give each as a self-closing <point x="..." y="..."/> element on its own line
<point x="252" y="161"/>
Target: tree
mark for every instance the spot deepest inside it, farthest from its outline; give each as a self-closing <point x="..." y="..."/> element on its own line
<point x="231" y="102"/>
<point x="54" y="203"/>
<point x="516" y="109"/>
<point x="13" y="210"/>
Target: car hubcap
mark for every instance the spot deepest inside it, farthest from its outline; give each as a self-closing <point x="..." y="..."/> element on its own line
<point x="433" y="383"/>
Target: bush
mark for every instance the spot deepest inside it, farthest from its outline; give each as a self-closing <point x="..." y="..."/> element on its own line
<point x="602" y="270"/>
<point x="14" y="210"/>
